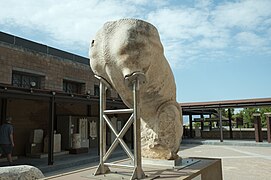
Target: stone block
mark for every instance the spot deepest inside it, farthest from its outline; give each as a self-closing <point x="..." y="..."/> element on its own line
<point x="22" y="172"/>
<point x="85" y="143"/>
<point x="57" y="143"/>
<point x="36" y="136"/>
<point x="34" y="148"/>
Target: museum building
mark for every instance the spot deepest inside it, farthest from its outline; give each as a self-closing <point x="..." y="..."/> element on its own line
<point x="52" y="96"/>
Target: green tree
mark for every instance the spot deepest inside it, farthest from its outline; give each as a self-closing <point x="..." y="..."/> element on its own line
<point x="227" y="112"/>
<point x="239" y="115"/>
<point x="247" y="115"/>
<point x="263" y="116"/>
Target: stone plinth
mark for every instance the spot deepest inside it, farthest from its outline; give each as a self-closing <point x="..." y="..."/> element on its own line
<point x="36" y="136"/>
<point x="201" y="169"/>
<point x="57" y="143"/>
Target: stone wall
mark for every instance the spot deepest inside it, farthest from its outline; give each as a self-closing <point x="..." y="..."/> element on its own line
<point x="53" y="69"/>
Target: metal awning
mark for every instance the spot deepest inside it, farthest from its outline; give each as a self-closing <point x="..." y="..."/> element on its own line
<point x="8" y="91"/>
<point x="257" y="102"/>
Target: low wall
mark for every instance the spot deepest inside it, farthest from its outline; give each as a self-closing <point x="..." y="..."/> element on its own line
<point x="236" y="133"/>
<point x="245" y="133"/>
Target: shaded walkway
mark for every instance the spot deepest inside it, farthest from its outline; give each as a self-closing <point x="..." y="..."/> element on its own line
<point x="64" y="163"/>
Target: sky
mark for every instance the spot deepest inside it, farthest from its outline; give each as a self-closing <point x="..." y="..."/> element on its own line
<point x="217" y="49"/>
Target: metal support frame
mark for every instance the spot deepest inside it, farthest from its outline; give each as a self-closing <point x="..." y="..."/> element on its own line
<point x="134" y="80"/>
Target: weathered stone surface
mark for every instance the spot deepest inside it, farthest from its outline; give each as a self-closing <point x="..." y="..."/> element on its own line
<point x="22" y="172"/>
<point x="123" y="47"/>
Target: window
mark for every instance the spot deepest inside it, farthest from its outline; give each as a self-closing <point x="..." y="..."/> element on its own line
<point x="96" y="90"/>
<point x="25" y="80"/>
<point x="72" y="87"/>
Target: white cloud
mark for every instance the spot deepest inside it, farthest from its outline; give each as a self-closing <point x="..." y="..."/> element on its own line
<point x="189" y="32"/>
<point x="251" y="42"/>
<point x="68" y="20"/>
<point x="177" y="23"/>
<point x="244" y="14"/>
<point x="201" y="4"/>
<point x="213" y="43"/>
<point x="212" y="30"/>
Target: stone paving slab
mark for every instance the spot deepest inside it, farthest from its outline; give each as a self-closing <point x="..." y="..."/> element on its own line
<point x="238" y="162"/>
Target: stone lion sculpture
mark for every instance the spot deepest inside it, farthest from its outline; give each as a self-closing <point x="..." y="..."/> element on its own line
<point x="121" y="48"/>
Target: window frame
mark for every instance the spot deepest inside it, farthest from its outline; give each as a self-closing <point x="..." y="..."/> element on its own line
<point x="74" y="87"/>
<point x="24" y="80"/>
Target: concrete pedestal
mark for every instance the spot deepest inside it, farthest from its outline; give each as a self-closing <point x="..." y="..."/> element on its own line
<point x="200" y="169"/>
<point x="57" y="143"/>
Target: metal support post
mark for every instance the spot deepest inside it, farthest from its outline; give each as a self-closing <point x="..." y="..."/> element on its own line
<point x="102" y="169"/>
<point x="220" y="125"/>
<point x="202" y="122"/>
<point x="138" y="172"/>
<point x="51" y="131"/>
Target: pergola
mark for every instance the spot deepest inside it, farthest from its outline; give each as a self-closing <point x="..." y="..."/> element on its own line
<point x="200" y="108"/>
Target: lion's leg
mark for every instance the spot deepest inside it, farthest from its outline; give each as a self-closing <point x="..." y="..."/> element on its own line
<point x="165" y="136"/>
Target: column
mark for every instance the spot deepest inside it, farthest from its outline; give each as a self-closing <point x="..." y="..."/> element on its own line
<point x="268" y="124"/>
<point x="202" y="122"/>
<point x="220" y="125"/>
<point x="190" y="126"/>
<point x="51" y="131"/>
<point x="230" y="123"/>
<point x="258" y="127"/>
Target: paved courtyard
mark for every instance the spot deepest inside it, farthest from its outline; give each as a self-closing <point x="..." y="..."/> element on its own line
<point x="238" y="162"/>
